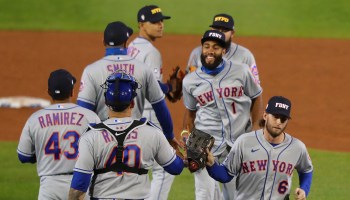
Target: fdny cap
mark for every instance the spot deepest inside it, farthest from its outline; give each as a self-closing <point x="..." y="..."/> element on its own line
<point x="279" y="105"/>
<point x="214" y="35"/>
<point x="60" y="84"/>
<point x="223" y="21"/>
<point x="116" y="33"/>
<point x="151" y="13"/>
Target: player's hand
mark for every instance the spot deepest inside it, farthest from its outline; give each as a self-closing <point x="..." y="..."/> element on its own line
<point x="300" y="194"/>
<point x="184" y="136"/>
<point x="179" y="148"/>
<point x="210" y="158"/>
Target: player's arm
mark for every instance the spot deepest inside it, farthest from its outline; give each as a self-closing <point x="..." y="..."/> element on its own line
<point x="164" y="118"/>
<point x="190" y="111"/>
<point x="256" y="111"/>
<point x="176" y="167"/>
<point x="27" y="159"/>
<point x="305" y="180"/>
<point x="26" y="147"/>
<point x="87" y="95"/>
<point x="188" y="122"/>
<point x="167" y="158"/>
<point x="76" y="194"/>
<point x="166" y="88"/>
<point x="79" y="185"/>
<point x="156" y="97"/>
<point x="219" y="173"/>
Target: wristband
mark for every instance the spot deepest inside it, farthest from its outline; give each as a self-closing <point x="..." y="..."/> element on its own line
<point x="184" y="132"/>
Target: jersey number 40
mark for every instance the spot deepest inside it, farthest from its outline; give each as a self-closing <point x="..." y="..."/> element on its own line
<point x="131" y="156"/>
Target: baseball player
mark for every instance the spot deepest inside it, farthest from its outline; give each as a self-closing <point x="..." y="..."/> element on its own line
<point x="91" y="96"/>
<point x="120" y="151"/>
<point x="234" y="52"/>
<point x="225" y="24"/>
<point x="219" y="97"/>
<point x="151" y="26"/>
<point x="50" y="137"/>
<point x="264" y="160"/>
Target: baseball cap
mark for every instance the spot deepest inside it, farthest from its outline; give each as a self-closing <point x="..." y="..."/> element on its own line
<point x="151" y="13"/>
<point x="223" y="21"/>
<point x="279" y="105"/>
<point x="116" y="33"/>
<point x="214" y="35"/>
<point x="61" y="84"/>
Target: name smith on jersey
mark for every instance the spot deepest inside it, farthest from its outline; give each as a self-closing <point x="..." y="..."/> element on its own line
<point x="129" y="68"/>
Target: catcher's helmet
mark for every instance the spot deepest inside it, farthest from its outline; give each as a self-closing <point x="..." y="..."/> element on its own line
<point x="120" y="90"/>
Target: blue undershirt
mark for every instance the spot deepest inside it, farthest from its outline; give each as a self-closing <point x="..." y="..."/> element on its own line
<point x="116" y="51"/>
<point x="166" y="88"/>
<point x="27" y="159"/>
<point x="219" y="173"/>
<point x="164" y="118"/>
<point x="215" y="71"/>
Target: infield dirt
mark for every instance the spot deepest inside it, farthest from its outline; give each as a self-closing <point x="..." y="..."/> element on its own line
<point x="313" y="73"/>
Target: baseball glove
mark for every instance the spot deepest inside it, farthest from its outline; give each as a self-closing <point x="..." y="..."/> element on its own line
<point x="196" y="146"/>
<point x="175" y="81"/>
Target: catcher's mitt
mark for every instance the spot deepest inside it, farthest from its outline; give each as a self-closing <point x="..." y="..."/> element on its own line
<point x="196" y="146"/>
<point x="175" y="81"/>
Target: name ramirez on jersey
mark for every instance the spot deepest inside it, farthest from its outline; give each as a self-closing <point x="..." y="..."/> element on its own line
<point x="60" y="118"/>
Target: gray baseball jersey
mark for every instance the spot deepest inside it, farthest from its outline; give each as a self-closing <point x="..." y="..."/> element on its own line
<point x="236" y="53"/>
<point x="96" y="74"/>
<point x="52" y="134"/>
<point x="222" y="102"/>
<point x="143" y="146"/>
<point x="144" y="51"/>
<point x="264" y="171"/>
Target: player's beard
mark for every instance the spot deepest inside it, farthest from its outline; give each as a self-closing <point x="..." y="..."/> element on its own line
<point x="228" y="45"/>
<point x="273" y="130"/>
<point x="211" y="66"/>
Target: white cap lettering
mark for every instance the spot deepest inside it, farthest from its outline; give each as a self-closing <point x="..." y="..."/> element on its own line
<point x="215" y="35"/>
<point x="282" y="105"/>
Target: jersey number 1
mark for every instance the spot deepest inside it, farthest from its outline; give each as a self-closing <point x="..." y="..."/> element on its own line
<point x="233" y="107"/>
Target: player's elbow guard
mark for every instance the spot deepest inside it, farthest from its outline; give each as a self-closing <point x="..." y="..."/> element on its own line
<point x="176" y="167"/>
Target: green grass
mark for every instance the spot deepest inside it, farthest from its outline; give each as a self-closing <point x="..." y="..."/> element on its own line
<point x="330" y="180"/>
<point x="288" y="18"/>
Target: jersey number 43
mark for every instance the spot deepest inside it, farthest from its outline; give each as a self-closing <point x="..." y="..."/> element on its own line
<point x="52" y="146"/>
